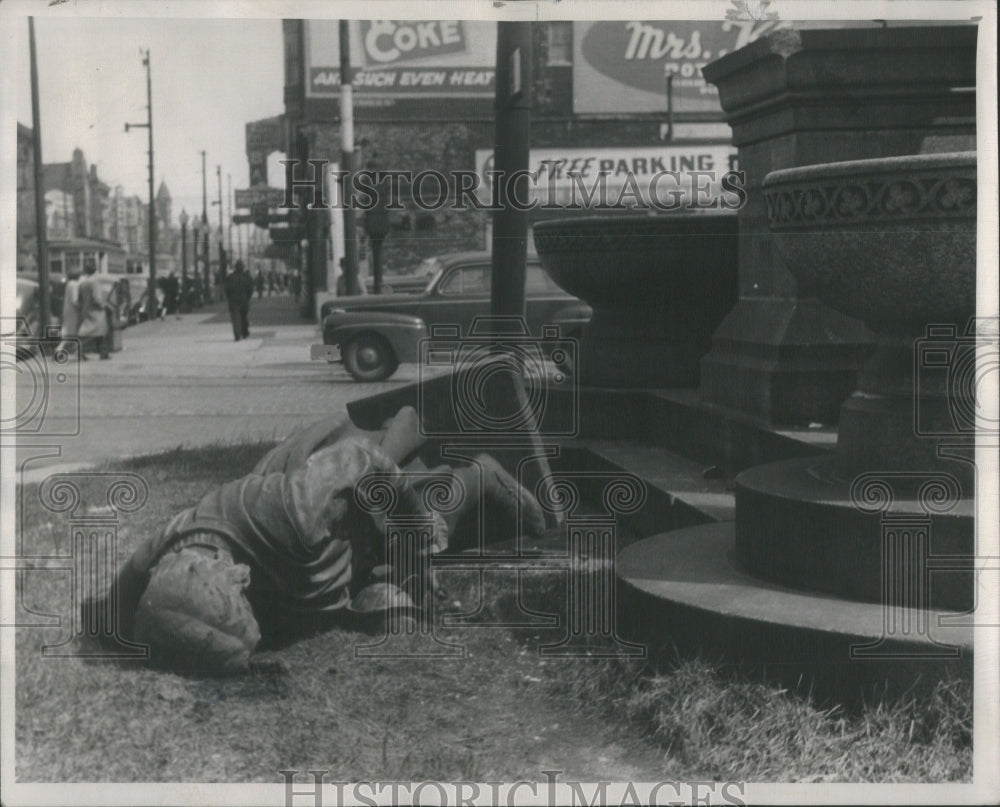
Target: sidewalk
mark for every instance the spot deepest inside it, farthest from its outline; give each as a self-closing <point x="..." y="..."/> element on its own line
<point x="181" y="382"/>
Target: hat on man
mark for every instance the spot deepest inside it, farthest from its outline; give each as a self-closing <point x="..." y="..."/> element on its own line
<point x="194" y="615"/>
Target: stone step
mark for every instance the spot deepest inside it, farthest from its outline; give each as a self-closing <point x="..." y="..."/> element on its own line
<point x="678" y="478"/>
<point x="683" y="591"/>
<point x="799" y="524"/>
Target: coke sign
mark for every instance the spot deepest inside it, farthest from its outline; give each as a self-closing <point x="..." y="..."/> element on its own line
<point x="391" y="41"/>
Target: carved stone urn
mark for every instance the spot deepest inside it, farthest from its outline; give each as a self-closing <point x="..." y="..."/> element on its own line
<point x="658" y="285"/>
<point x="892" y="242"/>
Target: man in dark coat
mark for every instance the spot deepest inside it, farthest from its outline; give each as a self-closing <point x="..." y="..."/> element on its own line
<point x="290" y="546"/>
<point x="171" y="293"/>
<point x="239" y="290"/>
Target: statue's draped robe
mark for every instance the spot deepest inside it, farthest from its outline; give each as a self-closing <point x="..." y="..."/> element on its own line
<point x="294" y="520"/>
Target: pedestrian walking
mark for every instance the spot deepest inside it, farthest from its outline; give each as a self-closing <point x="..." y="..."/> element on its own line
<point x="70" y="325"/>
<point x="218" y="288"/>
<point x="259" y="283"/>
<point x="171" y="294"/>
<point x="270" y="283"/>
<point x="93" y="313"/>
<point x="239" y="291"/>
<point x="296" y="285"/>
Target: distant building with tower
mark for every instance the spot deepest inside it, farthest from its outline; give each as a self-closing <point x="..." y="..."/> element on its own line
<point x="87" y="219"/>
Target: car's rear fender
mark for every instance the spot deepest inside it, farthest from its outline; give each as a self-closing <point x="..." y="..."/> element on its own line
<point x="572" y="318"/>
<point x="403" y="332"/>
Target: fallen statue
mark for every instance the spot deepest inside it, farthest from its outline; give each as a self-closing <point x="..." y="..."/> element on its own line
<point x="289" y="545"/>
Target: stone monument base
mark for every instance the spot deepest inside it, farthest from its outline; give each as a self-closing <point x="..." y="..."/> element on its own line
<point x="785" y="361"/>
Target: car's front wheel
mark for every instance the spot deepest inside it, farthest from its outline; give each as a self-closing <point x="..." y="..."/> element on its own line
<point x="369" y="357"/>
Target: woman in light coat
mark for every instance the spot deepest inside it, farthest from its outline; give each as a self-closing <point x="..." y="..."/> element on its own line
<point x="93" y="317"/>
<point x="70" y="325"/>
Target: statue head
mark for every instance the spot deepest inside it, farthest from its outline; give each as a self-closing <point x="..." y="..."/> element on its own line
<point x="194" y="615"/>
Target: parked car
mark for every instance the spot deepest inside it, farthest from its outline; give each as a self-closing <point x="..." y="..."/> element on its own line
<point x="116" y="293"/>
<point x="28" y="314"/>
<point x="373" y="334"/>
<point x="413" y="282"/>
<point x="57" y="290"/>
<point x="138" y="294"/>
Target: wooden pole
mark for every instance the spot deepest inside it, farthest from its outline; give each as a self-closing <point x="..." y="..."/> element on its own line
<point x="40" y="232"/>
<point x="347" y="159"/>
<point x="511" y="150"/>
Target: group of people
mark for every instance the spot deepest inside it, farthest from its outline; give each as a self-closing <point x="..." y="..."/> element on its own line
<point x="277" y="283"/>
<point x="85" y="315"/>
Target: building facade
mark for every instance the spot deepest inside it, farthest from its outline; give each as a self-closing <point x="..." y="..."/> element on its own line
<point x="87" y="220"/>
<point x="615" y="98"/>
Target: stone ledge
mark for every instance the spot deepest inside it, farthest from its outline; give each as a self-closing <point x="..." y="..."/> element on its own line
<point x="682" y="592"/>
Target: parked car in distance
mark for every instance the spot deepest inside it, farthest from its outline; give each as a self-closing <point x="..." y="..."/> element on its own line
<point x="138" y="294"/>
<point x="116" y="293"/>
<point x="28" y="316"/>
<point x="57" y="291"/>
<point x="373" y="334"/>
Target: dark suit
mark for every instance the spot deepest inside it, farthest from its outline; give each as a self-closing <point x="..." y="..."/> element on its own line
<point x="239" y="290"/>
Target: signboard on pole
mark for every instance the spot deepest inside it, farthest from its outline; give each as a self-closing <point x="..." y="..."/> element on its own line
<point x="428" y="69"/>
<point x="263" y="137"/>
<point x="246" y="198"/>
<point x="622" y="66"/>
<point x="266" y="134"/>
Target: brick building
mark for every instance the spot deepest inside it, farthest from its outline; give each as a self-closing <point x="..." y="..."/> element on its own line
<point x="26" y="260"/>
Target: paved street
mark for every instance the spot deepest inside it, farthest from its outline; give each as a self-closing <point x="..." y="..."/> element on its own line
<point x="180" y="382"/>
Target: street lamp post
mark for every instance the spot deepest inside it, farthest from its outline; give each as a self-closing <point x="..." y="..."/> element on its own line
<point x="222" y="246"/>
<point x="148" y="125"/>
<point x="194" y="256"/>
<point x="183" y="218"/>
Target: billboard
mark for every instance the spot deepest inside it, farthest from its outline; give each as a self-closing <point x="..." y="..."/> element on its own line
<point x="622" y="66"/>
<point x="423" y="68"/>
<point x="599" y="175"/>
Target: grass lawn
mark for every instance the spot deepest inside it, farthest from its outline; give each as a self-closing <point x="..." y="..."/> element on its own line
<point x="501" y="712"/>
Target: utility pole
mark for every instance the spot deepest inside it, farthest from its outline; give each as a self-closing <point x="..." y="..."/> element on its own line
<point x="347" y="160"/>
<point x="512" y="144"/>
<point x="222" y="249"/>
<point x="513" y="100"/>
<point x="229" y="198"/>
<point x="206" y="268"/>
<point x="148" y="125"/>
<point x="41" y="240"/>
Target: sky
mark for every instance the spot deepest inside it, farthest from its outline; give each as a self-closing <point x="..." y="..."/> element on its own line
<point x="210" y="77"/>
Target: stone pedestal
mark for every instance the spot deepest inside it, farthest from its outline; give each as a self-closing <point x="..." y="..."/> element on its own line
<point x="896" y="502"/>
<point x="801" y="98"/>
